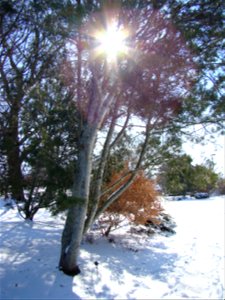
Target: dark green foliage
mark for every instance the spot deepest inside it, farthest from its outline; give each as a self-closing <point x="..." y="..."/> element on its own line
<point x="50" y="152"/>
<point x="63" y="202"/>
<point x="38" y="118"/>
<point x="205" y="179"/>
<point x="178" y="176"/>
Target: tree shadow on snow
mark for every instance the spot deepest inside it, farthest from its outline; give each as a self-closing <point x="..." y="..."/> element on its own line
<point x="136" y="263"/>
<point x="30" y="264"/>
<point x="29" y="268"/>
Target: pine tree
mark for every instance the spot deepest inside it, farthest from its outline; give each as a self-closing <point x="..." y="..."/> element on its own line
<point x="178" y="176"/>
<point x="31" y="51"/>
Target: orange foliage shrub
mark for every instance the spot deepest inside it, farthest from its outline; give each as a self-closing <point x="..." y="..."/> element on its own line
<point x="139" y="202"/>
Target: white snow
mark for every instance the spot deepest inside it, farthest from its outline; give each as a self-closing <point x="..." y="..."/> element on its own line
<point x="187" y="265"/>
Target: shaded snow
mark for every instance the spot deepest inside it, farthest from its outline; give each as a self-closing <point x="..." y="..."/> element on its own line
<point x="187" y="265"/>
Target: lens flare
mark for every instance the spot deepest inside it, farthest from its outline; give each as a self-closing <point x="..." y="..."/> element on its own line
<point x="111" y="42"/>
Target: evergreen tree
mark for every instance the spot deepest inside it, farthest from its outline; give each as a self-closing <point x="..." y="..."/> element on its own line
<point x="205" y="179"/>
<point x="49" y="125"/>
<point x="32" y="47"/>
<point x="178" y="176"/>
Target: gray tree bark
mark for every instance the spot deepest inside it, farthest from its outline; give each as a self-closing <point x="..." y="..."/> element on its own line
<point x="98" y="181"/>
<point x="96" y="109"/>
<point x="73" y="230"/>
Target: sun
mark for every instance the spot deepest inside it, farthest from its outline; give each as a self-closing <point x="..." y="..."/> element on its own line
<point x="111" y="42"/>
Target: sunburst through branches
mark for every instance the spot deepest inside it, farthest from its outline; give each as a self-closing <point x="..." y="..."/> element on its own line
<point x="111" y="42"/>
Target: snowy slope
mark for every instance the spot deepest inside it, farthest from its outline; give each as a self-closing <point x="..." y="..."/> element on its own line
<point x="187" y="265"/>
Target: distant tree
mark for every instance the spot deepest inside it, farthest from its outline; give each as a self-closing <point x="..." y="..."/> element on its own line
<point x="205" y="179"/>
<point x="179" y="176"/>
<point x="176" y="175"/>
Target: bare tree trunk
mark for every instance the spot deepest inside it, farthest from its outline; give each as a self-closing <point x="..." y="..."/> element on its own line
<point x="74" y="226"/>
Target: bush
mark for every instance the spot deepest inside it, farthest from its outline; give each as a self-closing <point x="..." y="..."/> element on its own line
<point x="139" y="203"/>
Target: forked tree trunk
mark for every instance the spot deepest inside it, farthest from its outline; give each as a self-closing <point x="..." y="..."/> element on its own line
<point x="74" y="226"/>
<point x="96" y="110"/>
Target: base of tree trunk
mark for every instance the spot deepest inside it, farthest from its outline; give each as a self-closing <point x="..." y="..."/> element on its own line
<point x="70" y="272"/>
<point x="68" y="268"/>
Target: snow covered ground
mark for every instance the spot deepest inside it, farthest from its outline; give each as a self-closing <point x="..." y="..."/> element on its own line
<point x="187" y="265"/>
